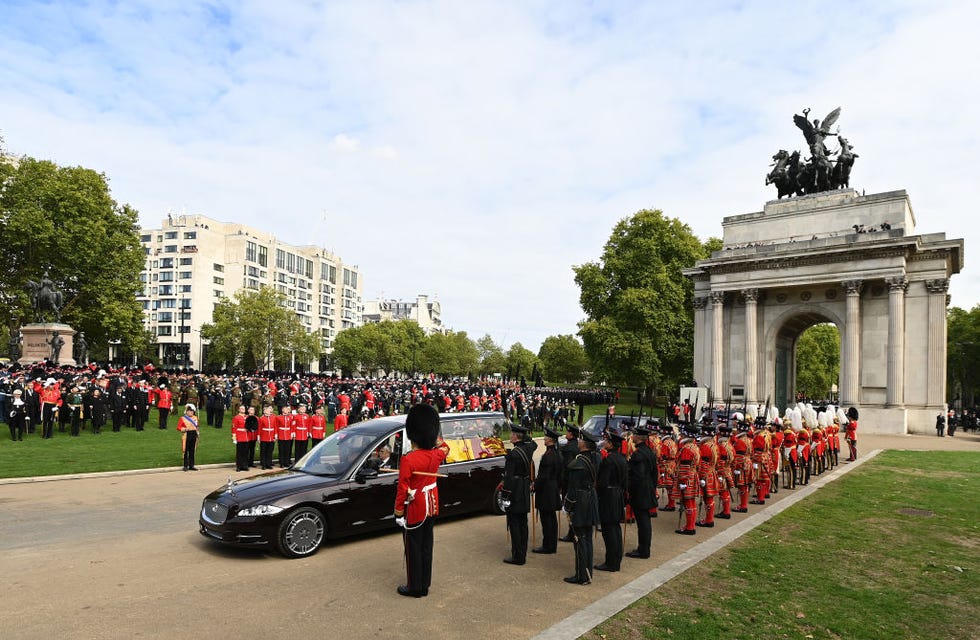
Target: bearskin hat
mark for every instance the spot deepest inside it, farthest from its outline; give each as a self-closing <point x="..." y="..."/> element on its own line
<point x="852" y="413"/>
<point x="422" y="425"/>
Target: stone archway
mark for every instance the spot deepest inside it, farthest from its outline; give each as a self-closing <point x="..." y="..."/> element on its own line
<point x="785" y="334"/>
<point x="830" y="257"/>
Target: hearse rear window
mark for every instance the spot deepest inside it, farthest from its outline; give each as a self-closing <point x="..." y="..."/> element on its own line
<point x="472" y="439"/>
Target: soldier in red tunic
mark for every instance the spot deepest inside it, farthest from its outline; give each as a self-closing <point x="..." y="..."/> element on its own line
<point x="726" y="458"/>
<point x="761" y="461"/>
<point x="318" y="426"/>
<point x="284" y="436"/>
<point x="742" y="468"/>
<point x="267" y="437"/>
<point x="686" y="485"/>
<point x="239" y="436"/>
<point x="667" y="463"/>
<point x="417" y="497"/>
<point x="707" y="472"/>
<point x="851" y="433"/>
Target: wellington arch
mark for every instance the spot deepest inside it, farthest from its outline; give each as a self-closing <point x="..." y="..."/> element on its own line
<point x="802" y="261"/>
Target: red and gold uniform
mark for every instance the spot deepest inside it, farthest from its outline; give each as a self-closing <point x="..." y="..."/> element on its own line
<point x="761" y="461"/>
<point x="790" y="456"/>
<point x="726" y="480"/>
<point x="803" y="448"/>
<point x="667" y="468"/>
<point x="267" y="438"/>
<point x="318" y="427"/>
<point x="50" y="398"/>
<point x="708" y="478"/>
<point x="686" y="481"/>
<point x="775" y="449"/>
<point x="742" y="469"/>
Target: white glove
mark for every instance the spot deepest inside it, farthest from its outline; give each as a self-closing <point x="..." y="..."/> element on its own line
<point x="683" y="486"/>
<point x="799" y="448"/>
<point x="401" y="522"/>
<point x="755" y="465"/>
<point x="738" y="472"/>
<point x="234" y="440"/>
<point x="505" y="505"/>
<point x="703" y="483"/>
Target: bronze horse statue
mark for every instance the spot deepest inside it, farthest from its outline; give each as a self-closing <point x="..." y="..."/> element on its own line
<point x="43" y="297"/>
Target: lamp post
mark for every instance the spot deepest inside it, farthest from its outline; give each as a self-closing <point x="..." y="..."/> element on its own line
<point x="180" y="310"/>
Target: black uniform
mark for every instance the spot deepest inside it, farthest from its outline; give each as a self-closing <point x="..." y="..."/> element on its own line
<point x="96" y="411"/>
<point x="17" y="418"/>
<point x="568" y="452"/>
<point x="547" y="499"/>
<point x="611" y="488"/>
<point x="583" y="512"/>
<point x="642" y="489"/>
<point x="518" y="466"/>
<point x="117" y="407"/>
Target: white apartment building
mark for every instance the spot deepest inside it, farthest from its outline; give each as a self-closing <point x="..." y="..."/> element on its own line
<point x="193" y="261"/>
<point x="427" y="314"/>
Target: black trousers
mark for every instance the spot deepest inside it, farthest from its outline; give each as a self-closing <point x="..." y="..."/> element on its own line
<point x="644" y="529"/>
<point x="285" y="452"/>
<point x="583" y="553"/>
<point x="612" y="536"/>
<point x="190" y="445"/>
<point x="549" y="530"/>
<point x="47" y="420"/>
<point x="164" y="414"/>
<point x="517" y="525"/>
<point x="241" y="456"/>
<point x="301" y="446"/>
<point x="265" y="454"/>
<point x="251" y="453"/>
<point x="219" y="418"/>
<point x="418" y="556"/>
<point x="117" y="418"/>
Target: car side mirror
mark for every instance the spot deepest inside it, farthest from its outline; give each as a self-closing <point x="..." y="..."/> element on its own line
<point x="366" y="473"/>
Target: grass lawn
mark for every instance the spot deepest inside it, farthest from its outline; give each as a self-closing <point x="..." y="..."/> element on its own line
<point x="891" y="550"/>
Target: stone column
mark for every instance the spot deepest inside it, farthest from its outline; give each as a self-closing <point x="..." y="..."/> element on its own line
<point x="751" y="350"/>
<point x="895" y="394"/>
<point x="717" y="342"/>
<point x="851" y="369"/>
<point x="701" y="372"/>
<point x="936" y="379"/>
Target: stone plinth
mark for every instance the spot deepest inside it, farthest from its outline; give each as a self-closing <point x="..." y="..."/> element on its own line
<point x="35" y="346"/>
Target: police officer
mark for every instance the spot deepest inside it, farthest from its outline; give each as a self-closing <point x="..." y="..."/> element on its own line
<point x="581" y="505"/>
<point x="546" y="493"/>
<point x="518" y="466"/>
<point x="611" y="484"/>
<point x="642" y="489"/>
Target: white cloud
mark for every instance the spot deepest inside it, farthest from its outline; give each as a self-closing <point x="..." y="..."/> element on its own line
<point x="477" y="150"/>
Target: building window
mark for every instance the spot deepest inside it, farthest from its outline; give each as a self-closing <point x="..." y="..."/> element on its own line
<point x="146" y="238"/>
<point x="166" y="276"/>
<point x="166" y="316"/>
<point x="166" y="263"/>
<point x="263" y="256"/>
<point x="185" y="303"/>
<point x="155" y="277"/>
<point x="219" y="280"/>
<point x="219" y="267"/>
<point x="218" y="294"/>
<point x="252" y="271"/>
<point x="170" y="235"/>
<point x="252" y="284"/>
<point x="251" y="251"/>
<point x="185" y="275"/>
<point x="309" y="268"/>
<point x="164" y="331"/>
<point x="190" y="235"/>
<point x="183" y="288"/>
<point x="186" y="261"/>
<point x="184" y="329"/>
<point x="170" y="248"/>
<point x="168" y="304"/>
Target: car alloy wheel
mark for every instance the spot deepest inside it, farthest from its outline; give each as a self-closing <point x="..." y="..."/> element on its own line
<point x="301" y="533"/>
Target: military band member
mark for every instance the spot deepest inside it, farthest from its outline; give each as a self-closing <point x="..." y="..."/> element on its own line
<point x="580" y="503"/>
<point x="547" y="497"/>
<point x="417" y="496"/>
<point x="518" y="469"/>
<point x="613" y="478"/>
<point x="642" y="490"/>
<point x="761" y="461"/>
<point x="187" y="426"/>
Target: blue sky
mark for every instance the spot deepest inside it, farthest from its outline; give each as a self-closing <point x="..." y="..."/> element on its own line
<point x="477" y="150"/>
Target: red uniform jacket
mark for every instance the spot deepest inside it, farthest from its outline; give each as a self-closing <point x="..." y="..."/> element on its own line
<point x="164" y="398"/>
<point x="51" y="395"/>
<point x="340" y="422"/>
<point x="301" y="426"/>
<point x="267" y="428"/>
<point x="238" y="432"/>
<point x="426" y="493"/>
<point x="284" y="427"/>
<point x="707" y="466"/>
<point x="318" y="427"/>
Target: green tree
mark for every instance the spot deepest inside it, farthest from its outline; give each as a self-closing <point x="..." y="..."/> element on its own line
<point x="255" y="330"/>
<point x="389" y="346"/>
<point x="962" y="352"/>
<point x="452" y="354"/>
<point x="521" y="360"/>
<point x="563" y="358"/>
<point x="818" y="360"/>
<point x="63" y="220"/>
<point x="638" y="304"/>
<point x="492" y="359"/>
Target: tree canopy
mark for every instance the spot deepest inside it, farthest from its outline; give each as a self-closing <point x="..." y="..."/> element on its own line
<point x="818" y="361"/>
<point x="392" y="345"/>
<point x="962" y="351"/>
<point x="492" y="358"/>
<point x="63" y="221"/>
<point x="638" y="304"/>
<point x="255" y="330"/>
<point x="563" y="358"/>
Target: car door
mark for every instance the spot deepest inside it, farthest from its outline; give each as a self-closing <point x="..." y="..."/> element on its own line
<point x="366" y="502"/>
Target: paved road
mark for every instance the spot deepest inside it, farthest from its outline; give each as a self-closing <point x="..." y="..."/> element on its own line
<point x="120" y="556"/>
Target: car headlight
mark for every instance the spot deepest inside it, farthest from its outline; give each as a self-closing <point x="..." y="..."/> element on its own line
<point x="260" y="510"/>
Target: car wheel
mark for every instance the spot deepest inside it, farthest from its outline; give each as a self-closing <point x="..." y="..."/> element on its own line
<point x="497" y="500"/>
<point x="301" y="533"/>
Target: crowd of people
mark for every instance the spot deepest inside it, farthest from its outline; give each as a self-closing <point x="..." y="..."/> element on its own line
<point x="622" y="474"/>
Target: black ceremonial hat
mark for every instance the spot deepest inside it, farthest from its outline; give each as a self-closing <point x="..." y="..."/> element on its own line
<point x="422" y="425"/>
<point x="588" y="436"/>
<point x="520" y="428"/>
<point x="551" y="433"/>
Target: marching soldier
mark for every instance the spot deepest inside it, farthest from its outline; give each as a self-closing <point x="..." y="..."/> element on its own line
<point x="613" y="478"/>
<point x="546" y="493"/>
<point x="642" y="489"/>
<point x="667" y="463"/>
<point x="164" y="402"/>
<point x="851" y="433"/>
<point x="318" y="426"/>
<point x="726" y="458"/>
<point x="761" y="461"/>
<point x="580" y="504"/>
<point x="50" y="398"/>
<point x="743" y="463"/>
<point x="518" y="472"/>
<point x="708" y="472"/>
